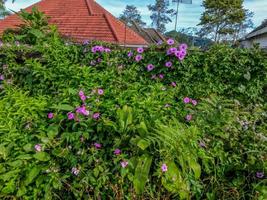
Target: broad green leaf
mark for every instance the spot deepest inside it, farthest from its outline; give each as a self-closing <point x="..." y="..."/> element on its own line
<point x="141" y="173"/>
<point x="33" y="173"/>
<point x="42" y="156"/>
<point x="64" y="107"/>
<point x="143" y="144"/>
<point x="52" y="131"/>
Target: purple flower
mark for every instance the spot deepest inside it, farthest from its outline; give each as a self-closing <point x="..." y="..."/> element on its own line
<point x="81" y="93"/>
<point x="75" y="171"/>
<point x="100" y="91"/>
<point x="170" y="41"/>
<point x="85" y="42"/>
<point x="93" y="49"/>
<point x="2" y="77"/>
<point x="117" y="152"/>
<point x="194" y="102"/>
<point x="154" y="76"/>
<point x="167" y="105"/>
<point x="173" y="84"/>
<point x="38" y="147"/>
<point x="107" y="50"/>
<point x="99" y="60"/>
<point x="130" y="54"/>
<point x="140" y="50"/>
<point x="181" y="56"/>
<point x="150" y="67"/>
<point x="183" y="47"/>
<point x="82" y="110"/>
<point x="186" y="100"/>
<point x="138" y="58"/>
<point x="97" y="145"/>
<point x="101" y="49"/>
<point x="168" y="64"/>
<point x="83" y="97"/>
<point x="50" y="115"/>
<point x="71" y="116"/>
<point x="260" y="174"/>
<point x="171" y="50"/>
<point x="202" y="144"/>
<point x="124" y="164"/>
<point x="161" y="76"/>
<point x="96" y="115"/>
<point x="164" y="168"/>
<point x="159" y="42"/>
<point x="188" y="117"/>
<point x="183" y="52"/>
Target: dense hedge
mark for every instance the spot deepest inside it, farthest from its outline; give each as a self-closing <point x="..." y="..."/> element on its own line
<point x="193" y="130"/>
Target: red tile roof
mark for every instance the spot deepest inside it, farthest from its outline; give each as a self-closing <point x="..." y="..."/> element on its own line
<point x="81" y="20"/>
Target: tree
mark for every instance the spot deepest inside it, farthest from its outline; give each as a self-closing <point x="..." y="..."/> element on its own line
<point x="131" y="14"/>
<point x="3" y="11"/>
<point x="161" y="15"/>
<point x="221" y="17"/>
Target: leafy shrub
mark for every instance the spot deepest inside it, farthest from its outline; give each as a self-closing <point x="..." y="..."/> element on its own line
<point x="89" y="121"/>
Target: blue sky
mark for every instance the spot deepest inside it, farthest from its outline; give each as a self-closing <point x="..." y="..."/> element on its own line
<point x="188" y="14"/>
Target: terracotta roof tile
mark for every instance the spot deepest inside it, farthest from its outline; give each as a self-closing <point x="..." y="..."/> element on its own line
<point x="81" y="20"/>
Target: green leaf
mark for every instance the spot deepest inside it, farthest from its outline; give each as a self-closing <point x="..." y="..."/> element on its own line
<point x="32" y="175"/>
<point x="64" y="107"/>
<point x="143" y="144"/>
<point x="142" y="129"/>
<point x="141" y="173"/>
<point x="42" y="156"/>
<point x="52" y="131"/>
<point x="195" y="167"/>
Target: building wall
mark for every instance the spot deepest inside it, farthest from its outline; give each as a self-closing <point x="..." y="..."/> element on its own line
<point x="261" y="40"/>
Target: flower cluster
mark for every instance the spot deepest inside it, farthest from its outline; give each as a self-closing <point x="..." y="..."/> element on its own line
<point x="100" y="49"/>
<point x="188" y="100"/>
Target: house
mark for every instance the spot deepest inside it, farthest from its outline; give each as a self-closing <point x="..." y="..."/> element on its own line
<point x="257" y="36"/>
<point x="82" y="20"/>
<point x="151" y="35"/>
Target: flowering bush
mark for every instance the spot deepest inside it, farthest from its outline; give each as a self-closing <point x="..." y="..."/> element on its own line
<point x="97" y="121"/>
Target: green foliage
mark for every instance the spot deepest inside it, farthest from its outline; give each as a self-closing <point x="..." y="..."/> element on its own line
<point x="142" y="126"/>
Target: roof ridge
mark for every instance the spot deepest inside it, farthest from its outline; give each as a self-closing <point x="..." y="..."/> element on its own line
<point x="89" y="6"/>
<point x="111" y="27"/>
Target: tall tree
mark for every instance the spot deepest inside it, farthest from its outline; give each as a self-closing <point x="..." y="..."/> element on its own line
<point x="3" y="11"/>
<point x="131" y="14"/>
<point x="221" y="16"/>
<point x="161" y="14"/>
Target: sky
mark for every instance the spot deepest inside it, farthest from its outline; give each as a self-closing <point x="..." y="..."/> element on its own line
<point x="189" y="15"/>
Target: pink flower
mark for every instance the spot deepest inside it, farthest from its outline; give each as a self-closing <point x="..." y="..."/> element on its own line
<point x="194" y="102"/>
<point x="97" y="145"/>
<point x="83" y="97"/>
<point x="167" y="105"/>
<point x="186" y="100"/>
<point x="38" y="147"/>
<point x="183" y="47"/>
<point x="50" y="115"/>
<point x="138" y="58"/>
<point x="117" y="152"/>
<point x="96" y="115"/>
<point x="124" y="164"/>
<point x="100" y="91"/>
<point x="188" y="117"/>
<point x="170" y="41"/>
<point x="107" y="50"/>
<point x="75" y="171"/>
<point x="81" y="93"/>
<point x="164" y="168"/>
<point x="130" y="54"/>
<point x="173" y="84"/>
<point x="161" y="76"/>
<point x="168" y="64"/>
<point x="181" y="56"/>
<point x="2" y="77"/>
<point x="82" y="110"/>
<point x="140" y="50"/>
<point x="71" y="116"/>
<point x="150" y="67"/>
